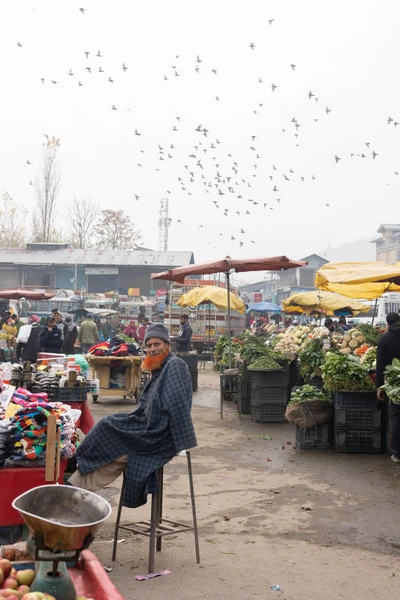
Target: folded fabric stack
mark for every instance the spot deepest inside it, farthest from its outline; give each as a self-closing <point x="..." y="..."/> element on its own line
<point x="45" y="382"/>
<point x="26" y="445"/>
<point x="116" y="347"/>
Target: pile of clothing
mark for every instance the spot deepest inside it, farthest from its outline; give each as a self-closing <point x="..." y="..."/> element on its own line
<point x="115" y="347"/>
<point x="45" y="382"/>
<point x="25" y="429"/>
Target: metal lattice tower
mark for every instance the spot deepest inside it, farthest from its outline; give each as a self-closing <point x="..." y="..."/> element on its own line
<point x="163" y="224"/>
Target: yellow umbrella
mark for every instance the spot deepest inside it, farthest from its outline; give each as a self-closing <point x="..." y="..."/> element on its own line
<point x="215" y="295"/>
<point x="326" y="301"/>
<point x="363" y="280"/>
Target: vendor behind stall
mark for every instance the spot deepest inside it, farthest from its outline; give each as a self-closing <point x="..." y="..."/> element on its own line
<point x="184" y="336"/>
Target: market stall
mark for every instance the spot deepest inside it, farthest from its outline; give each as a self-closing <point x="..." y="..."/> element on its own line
<point x="103" y="369"/>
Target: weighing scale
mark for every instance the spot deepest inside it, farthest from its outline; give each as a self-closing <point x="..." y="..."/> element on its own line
<point x="62" y="521"/>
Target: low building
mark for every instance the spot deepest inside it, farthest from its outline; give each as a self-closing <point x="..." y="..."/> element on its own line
<point x="55" y="266"/>
<point x="282" y="284"/>
<point x="388" y="245"/>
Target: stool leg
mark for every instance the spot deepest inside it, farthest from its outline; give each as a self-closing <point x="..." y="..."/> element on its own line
<point x="116" y="530"/>
<point x="153" y="531"/>
<point x="160" y="504"/>
<point x="195" y="530"/>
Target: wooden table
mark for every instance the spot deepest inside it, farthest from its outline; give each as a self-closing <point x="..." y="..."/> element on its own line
<point x="101" y="366"/>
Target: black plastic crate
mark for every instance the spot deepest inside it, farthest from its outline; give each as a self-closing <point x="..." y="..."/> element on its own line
<point x="365" y="399"/>
<point x="268" y="413"/>
<point x="245" y="393"/>
<point x="269" y="395"/>
<point x="268" y="378"/>
<point x="72" y="394"/>
<point x="317" y="437"/>
<point x="368" y="441"/>
<point x="358" y="418"/>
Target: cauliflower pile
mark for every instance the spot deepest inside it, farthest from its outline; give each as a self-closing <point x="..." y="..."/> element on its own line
<point x="353" y="343"/>
<point x="291" y="342"/>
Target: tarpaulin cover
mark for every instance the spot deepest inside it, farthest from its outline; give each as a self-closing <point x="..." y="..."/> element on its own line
<point x="264" y="307"/>
<point x="28" y="294"/>
<point x="363" y="280"/>
<point x="215" y="295"/>
<point x="326" y="301"/>
<point x="274" y="263"/>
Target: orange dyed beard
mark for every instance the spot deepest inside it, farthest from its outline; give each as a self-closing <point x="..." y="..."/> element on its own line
<point x="153" y="363"/>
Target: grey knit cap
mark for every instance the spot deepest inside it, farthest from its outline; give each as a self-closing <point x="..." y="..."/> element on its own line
<point x="157" y="330"/>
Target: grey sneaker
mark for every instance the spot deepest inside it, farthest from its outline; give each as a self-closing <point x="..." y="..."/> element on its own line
<point x="395" y="459"/>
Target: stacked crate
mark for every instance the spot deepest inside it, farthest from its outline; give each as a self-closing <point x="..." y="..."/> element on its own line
<point x="268" y="397"/>
<point x="358" y="422"/>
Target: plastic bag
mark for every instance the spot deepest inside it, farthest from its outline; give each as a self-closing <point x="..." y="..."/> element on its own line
<point x="24" y="334"/>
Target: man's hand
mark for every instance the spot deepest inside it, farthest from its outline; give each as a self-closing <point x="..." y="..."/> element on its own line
<point x="380" y="396"/>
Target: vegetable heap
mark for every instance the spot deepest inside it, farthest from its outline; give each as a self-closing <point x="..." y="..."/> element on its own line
<point x="311" y="359"/>
<point x="308" y="392"/>
<point x="369" y="358"/>
<point x="354" y="343"/>
<point x="267" y="361"/>
<point x="392" y="381"/>
<point x="345" y="372"/>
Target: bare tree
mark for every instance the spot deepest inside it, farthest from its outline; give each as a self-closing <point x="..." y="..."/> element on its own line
<point x="81" y="215"/>
<point x="12" y="223"/>
<point x="47" y="186"/>
<point x="115" y="231"/>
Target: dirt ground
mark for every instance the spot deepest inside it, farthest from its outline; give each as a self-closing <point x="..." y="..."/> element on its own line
<point x="321" y="525"/>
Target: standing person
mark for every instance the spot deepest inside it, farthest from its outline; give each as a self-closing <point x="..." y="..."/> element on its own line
<point x="388" y="349"/>
<point x="343" y="324"/>
<point x="63" y="327"/>
<point x="130" y="331"/>
<point x="107" y="329"/>
<point x="69" y="345"/>
<point x="17" y="322"/>
<point x="142" y="441"/>
<point x="28" y="351"/>
<point x="88" y="334"/>
<point x="4" y="320"/>
<point x="50" y="338"/>
<point x="185" y="335"/>
<point x="141" y="330"/>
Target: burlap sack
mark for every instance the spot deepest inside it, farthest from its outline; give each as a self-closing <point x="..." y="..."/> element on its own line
<point x="309" y="413"/>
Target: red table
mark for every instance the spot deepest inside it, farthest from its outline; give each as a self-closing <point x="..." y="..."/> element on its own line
<point x="14" y="482"/>
<point x="85" y="421"/>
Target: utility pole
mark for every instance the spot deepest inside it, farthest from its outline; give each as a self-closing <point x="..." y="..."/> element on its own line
<point x="163" y="224"/>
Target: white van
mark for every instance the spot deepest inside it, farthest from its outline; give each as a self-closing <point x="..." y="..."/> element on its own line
<point x="389" y="302"/>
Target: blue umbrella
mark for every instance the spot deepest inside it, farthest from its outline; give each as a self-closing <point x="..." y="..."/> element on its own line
<point x="264" y="307"/>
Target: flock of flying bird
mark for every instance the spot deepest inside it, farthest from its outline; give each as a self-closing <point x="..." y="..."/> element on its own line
<point x="209" y="164"/>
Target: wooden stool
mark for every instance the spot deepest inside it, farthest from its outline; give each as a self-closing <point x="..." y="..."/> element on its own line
<point x="158" y="527"/>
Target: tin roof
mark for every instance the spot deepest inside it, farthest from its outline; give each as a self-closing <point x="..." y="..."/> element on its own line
<point x="70" y="256"/>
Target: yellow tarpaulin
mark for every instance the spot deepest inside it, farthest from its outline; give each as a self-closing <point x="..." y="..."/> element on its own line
<point x="215" y="295"/>
<point x="363" y="280"/>
<point x="321" y="300"/>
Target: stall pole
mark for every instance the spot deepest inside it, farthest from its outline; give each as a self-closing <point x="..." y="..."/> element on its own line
<point x="373" y="316"/>
<point x="229" y="319"/>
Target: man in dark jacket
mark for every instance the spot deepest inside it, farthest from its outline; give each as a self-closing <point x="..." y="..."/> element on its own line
<point x="50" y="338"/>
<point x="29" y="350"/>
<point x="388" y="349"/>
<point x="184" y="335"/>
<point x="142" y="441"/>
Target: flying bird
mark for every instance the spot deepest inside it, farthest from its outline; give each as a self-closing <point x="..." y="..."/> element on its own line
<point x="114" y="107"/>
<point x="101" y="70"/>
<point x="110" y="80"/>
<point x="374" y="154"/>
<point x="28" y="162"/>
<point x="87" y="54"/>
<point x="252" y="46"/>
<point x="137" y="133"/>
<point x="42" y="80"/>
<point x="82" y="10"/>
<point x="270" y="21"/>
<point x="328" y="110"/>
<point x="214" y="71"/>
<point x="52" y="81"/>
<point x="99" y="54"/>
<point x="80" y="84"/>
<point x="19" y="44"/>
<point x="89" y="69"/>
<point x="293" y="67"/>
<point x="70" y="72"/>
<point x="124" y="67"/>
<point x="30" y="182"/>
<point x="273" y="86"/>
<point x="310" y="95"/>
<point x="337" y="159"/>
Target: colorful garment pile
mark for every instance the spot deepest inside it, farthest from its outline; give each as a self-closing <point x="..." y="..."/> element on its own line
<point x="116" y="347"/>
<point x="28" y="415"/>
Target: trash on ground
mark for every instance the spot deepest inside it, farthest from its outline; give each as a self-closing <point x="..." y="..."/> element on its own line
<point x="152" y="575"/>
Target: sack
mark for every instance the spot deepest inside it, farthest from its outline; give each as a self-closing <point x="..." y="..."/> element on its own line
<point x="309" y="413"/>
<point x="23" y="334"/>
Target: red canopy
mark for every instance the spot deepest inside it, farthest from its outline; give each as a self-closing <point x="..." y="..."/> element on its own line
<point x="28" y="294"/>
<point x="228" y="264"/>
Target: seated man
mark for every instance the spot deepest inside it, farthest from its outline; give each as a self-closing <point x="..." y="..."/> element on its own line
<point x="142" y="441"/>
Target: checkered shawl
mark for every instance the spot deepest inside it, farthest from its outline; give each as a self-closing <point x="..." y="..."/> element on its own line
<point x="151" y="436"/>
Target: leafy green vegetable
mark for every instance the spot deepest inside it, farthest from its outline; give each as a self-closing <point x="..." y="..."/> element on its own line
<point x="345" y="372"/>
<point x="308" y="392"/>
<point x="370" y="333"/>
<point x="392" y="381"/>
<point x="311" y="359"/>
<point x="265" y="362"/>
